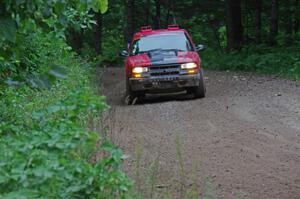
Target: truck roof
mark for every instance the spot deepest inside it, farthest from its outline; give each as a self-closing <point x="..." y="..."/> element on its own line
<point x="147" y="30"/>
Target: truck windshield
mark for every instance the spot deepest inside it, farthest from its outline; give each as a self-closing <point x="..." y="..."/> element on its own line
<point x="171" y="41"/>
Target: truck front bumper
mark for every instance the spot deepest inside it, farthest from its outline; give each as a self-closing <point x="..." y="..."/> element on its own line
<point x="164" y="83"/>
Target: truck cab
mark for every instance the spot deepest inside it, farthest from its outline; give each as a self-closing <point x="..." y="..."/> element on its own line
<point x="163" y="61"/>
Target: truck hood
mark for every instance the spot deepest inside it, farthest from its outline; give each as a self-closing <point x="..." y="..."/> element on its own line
<point x="163" y="57"/>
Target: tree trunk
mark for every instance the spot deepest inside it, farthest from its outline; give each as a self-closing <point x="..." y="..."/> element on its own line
<point x="131" y="24"/>
<point x="258" y="10"/>
<point x="147" y="11"/>
<point x="168" y="13"/>
<point x="75" y="39"/>
<point x="297" y="26"/>
<point x="2" y="9"/>
<point x="214" y="27"/>
<point x="158" y="14"/>
<point x="289" y="18"/>
<point x="234" y="24"/>
<point x="297" y="17"/>
<point x="98" y="33"/>
<point x="172" y="7"/>
<point x="274" y="22"/>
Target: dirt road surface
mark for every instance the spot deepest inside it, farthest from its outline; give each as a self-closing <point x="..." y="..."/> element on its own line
<point x="241" y="141"/>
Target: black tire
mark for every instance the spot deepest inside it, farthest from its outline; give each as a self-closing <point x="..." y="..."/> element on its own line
<point x="133" y="97"/>
<point x="200" y="91"/>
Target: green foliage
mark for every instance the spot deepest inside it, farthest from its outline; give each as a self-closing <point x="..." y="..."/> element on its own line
<point x="46" y="150"/>
<point x="222" y="35"/>
<point x="100" y="5"/>
<point x="7" y="30"/>
<point x="112" y="45"/>
<point x="35" y="57"/>
<point x="22" y="23"/>
<point x="261" y="59"/>
<point x="206" y="22"/>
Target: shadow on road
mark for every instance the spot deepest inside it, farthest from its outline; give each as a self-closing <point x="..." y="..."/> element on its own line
<point x="161" y="98"/>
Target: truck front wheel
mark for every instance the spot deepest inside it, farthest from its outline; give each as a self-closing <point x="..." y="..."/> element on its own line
<point x="133" y="97"/>
<point x="200" y="90"/>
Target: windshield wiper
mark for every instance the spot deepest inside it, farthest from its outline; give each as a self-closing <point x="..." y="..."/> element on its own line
<point x="174" y="49"/>
<point x="149" y="51"/>
<point x="160" y="49"/>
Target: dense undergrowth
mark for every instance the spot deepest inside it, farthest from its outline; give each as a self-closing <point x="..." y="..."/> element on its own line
<point x="46" y="149"/>
<point x="282" y="61"/>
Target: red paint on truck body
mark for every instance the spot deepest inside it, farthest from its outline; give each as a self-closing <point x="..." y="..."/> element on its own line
<point x="143" y="60"/>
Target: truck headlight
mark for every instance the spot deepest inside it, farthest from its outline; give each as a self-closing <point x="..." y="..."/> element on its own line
<point x="189" y="66"/>
<point x="139" y="70"/>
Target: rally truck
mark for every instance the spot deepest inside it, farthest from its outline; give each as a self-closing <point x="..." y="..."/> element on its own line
<point x="163" y="61"/>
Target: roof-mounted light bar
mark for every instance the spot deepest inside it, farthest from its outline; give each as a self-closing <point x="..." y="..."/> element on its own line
<point x="173" y="27"/>
<point x="146" y="29"/>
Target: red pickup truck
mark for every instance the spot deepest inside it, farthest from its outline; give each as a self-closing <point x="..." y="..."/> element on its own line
<point x="163" y="61"/>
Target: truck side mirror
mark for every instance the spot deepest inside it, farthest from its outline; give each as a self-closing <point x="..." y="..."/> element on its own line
<point x="124" y="53"/>
<point x="200" y="47"/>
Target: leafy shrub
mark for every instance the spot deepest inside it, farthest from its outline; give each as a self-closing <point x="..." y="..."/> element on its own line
<point x="22" y="21"/>
<point x="112" y="45"/>
<point x="46" y="150"/>
<point x="269" y="60"/>
<point x="34" y="55"/>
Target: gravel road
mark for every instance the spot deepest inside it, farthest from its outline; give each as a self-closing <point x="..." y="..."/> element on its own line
<point x="241" y="141"/>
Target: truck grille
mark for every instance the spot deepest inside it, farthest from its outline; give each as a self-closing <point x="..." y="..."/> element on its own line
<point x="164" y="70"/>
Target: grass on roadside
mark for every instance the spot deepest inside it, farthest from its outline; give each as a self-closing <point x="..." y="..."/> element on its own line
<point x="182" y="183"/>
